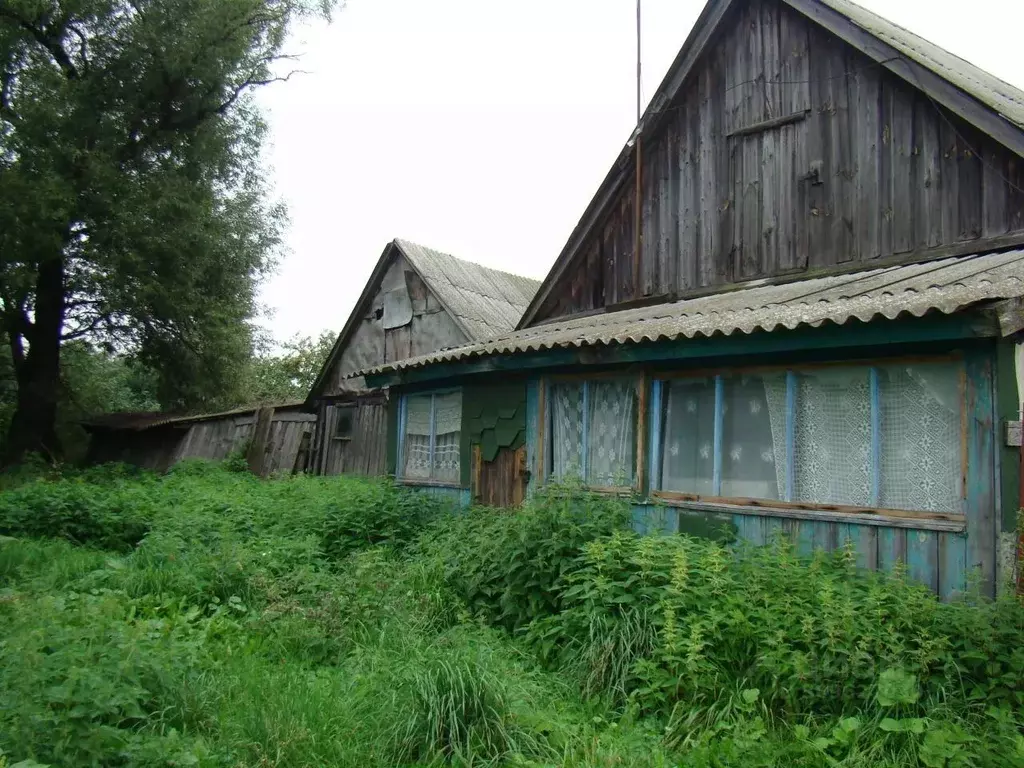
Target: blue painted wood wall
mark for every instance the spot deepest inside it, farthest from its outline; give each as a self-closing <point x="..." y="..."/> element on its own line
<point x="944" y="561"/>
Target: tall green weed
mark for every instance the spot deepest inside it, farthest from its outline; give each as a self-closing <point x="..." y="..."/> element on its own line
<point x="508" y="566"/>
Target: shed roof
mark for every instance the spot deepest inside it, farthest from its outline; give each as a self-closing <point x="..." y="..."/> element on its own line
<point x="137" y="421"/>
<point x="945" y="286"/>
<point x="484" y="301"/>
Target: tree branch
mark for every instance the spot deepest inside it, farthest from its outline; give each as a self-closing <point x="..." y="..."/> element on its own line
<point x="83" y="46"/>
<point x="47" y="40"/>
<point x="6" y="95"/>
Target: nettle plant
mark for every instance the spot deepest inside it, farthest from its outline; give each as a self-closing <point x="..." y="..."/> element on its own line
<point x="679" y="621"/>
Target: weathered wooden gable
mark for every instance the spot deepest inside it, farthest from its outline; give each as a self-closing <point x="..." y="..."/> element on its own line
<point x="787" y="151"/>
<point x="403" y="319"/>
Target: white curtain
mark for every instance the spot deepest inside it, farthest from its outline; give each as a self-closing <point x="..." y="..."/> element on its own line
<point x="920" y="418"/>
<point x="447" y="430"/>
<point x="566" y="430"/>
<point x="833" y="437"/>
<point x="612" y="433"/>
<point x="416" y="441"/>
<point x="921" y="407"/>
<point x="754" y="437"/>
<point x="447" y="426"/>
<point x="689" y="437"/>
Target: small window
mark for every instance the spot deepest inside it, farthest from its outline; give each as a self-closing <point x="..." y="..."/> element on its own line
<point x="886" y="437"/>
<point x="344" y="422"/>
<point x="592" y="432"/>
<point x="431" y="433"/>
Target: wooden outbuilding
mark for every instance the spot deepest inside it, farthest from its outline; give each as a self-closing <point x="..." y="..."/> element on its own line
<point x="280" y="434"/>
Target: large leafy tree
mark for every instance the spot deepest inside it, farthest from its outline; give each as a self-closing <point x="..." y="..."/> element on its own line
<point x="288" y="372"/>
<point x="133" y="211"/>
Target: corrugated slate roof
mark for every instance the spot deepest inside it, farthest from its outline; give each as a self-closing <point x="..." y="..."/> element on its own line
<point x="487" y="302"/>
<point x="986" y="88"/>
<point x="946" y="286"/>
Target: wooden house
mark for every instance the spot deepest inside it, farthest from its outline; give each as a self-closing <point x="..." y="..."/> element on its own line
<point x="158" y="441"/>
<point x="417" y="301"/>
<point x="797" y="318"/>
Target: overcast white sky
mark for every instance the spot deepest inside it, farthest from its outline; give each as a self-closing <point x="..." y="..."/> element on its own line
<point x="483" y="127"/>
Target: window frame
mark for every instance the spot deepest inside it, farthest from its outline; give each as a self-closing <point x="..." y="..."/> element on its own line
<point x="338" y="410"/>
<point x="786" y="504"/>
<point x="640" y="384"/>
<point x="400" y="448"/>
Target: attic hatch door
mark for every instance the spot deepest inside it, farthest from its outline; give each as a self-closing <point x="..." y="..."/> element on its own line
<point x="397" y="308"/>
<point x="397" y="323"/>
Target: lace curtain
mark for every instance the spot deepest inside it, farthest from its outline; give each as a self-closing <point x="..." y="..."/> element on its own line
<point x="447" y="431"/>
<point x="920" y="422"/>
<point x="611" y="432"/>
<point x="832" y="455"/>
<point x="447" y="415"/>
<point x="612" y="449"/>
<point x="416" y="443"/>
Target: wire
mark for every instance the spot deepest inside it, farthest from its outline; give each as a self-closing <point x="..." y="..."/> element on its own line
<point x="817" y="79"/>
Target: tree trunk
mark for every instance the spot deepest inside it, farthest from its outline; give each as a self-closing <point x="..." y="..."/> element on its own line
<point x="34" y="424"/>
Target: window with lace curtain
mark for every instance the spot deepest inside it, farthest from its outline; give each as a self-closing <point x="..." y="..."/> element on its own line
<point x="885" y="437"/>
<point x="431" y="427"/>
<point x="592" y="431"/>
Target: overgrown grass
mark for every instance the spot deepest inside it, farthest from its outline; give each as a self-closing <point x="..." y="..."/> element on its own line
<point x="208" y="618"/>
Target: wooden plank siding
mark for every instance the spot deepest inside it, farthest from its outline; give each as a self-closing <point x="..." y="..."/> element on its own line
<point x="788" y="150"/>
<point x="365" y="452"/>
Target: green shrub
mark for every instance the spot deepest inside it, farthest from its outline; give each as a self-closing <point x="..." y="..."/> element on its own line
<point x="509" y="565"/>
<point x="372" y="512"/>
<point x="291" y="623"/>
<point x="81" y="678"/>
<point x="111" y="508"/>
<point x="682" y="622"/>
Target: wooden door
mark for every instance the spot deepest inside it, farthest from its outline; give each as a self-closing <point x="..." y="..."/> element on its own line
<point x="502" y="482"/>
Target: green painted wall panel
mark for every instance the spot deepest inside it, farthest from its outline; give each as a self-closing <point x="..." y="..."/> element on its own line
<point x="493" y="417"/>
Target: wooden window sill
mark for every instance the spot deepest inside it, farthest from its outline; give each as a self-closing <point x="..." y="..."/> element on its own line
<point x="612" y="490"/>
<point x="887" y="518"/>
<point x="412" y="482"/>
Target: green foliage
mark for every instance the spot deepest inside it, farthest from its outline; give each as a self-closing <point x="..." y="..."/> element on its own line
<point x="377" y="513"/>
<point x="134" y="209"/>
<point x="509" y="566"/>
<point x="109" y="507"/>
<point x="677" y="623"/>
<point x="288" y="373"/>
<point x="247" y="628"/>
